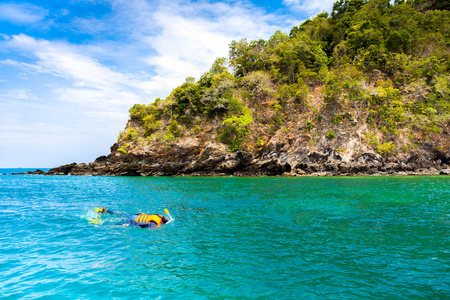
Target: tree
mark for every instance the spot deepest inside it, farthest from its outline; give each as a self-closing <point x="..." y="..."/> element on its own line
<point x="219" y="66"/>
<point x="238" y="53"/>
<point x="235" y="128"/>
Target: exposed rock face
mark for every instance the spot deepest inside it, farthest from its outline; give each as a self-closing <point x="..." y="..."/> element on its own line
<point x="287" y="156"/>
<point x="37" y="172"/>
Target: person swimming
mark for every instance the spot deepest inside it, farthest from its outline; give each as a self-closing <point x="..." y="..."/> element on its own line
<point x="140" y="220"/>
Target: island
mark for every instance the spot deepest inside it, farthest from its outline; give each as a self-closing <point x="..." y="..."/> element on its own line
<point x="364" y="90"/>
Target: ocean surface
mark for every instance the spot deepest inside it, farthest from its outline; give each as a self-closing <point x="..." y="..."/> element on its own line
<point x="231" y="238"/>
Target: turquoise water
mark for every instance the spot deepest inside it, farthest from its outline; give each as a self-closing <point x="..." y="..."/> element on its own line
<point x="232" y="238"/>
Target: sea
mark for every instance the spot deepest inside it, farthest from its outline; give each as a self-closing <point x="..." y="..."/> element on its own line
<point x="230" y="238"/>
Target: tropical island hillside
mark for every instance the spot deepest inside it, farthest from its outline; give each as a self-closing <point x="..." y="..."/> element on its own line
<point x="363" y="90"/>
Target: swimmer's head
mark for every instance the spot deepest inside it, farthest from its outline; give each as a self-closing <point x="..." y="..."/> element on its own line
<point x="164" y="219"/>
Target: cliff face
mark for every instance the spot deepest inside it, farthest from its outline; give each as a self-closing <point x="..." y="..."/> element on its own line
<point x="291" y="150"/>
<point x="365" y="90"/>
<point x="288" y="158"/>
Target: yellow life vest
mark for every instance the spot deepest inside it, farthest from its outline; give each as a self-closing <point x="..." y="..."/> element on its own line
<point x="144" y="218"/>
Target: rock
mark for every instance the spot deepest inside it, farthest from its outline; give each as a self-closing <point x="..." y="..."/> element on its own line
<point x="299" y="172"/>
<point x="445" y="172"/>
<point x="62" y="170"/>
<point x="229" y="165"/>
<point x="100" y="159"/>
<point x="317" y="157"/>
<point x="402" y="173"/>
<point x="37" y="172"/>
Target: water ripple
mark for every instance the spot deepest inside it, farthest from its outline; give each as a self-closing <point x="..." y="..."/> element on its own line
<point x="233" y="238"/>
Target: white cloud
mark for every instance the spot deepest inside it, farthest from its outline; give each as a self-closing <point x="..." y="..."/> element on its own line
<point x="64" y="12"/>
<point x="22" y="13"/>
<point x="4" y="36"/>
<point x="16" y="94"/>
<point x="101" y="99"/>
<point x="89" y="82"/>
<point x="64" y="61"/>
<point x="310" y="7"/>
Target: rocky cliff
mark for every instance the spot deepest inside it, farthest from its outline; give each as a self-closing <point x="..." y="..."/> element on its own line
<point x="193" y="158"/>
<point x="288" y="151"/>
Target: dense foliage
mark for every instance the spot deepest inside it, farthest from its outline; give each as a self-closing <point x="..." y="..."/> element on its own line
<point x="382" y="65"/>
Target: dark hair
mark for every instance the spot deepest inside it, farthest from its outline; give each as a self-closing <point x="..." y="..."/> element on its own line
<point x="164" y="219"/>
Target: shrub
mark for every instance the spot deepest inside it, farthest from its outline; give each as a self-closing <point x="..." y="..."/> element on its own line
<point x="174" y="129"/>
<point x="235" y="106"/>
<point x="298" y="92"/>
<point x="345" y="86"/>
<point x="339" y="118"/>
<point x="122" y="150"/>
<point x="235" y="128"/>
<point x="259" y="143"/>
<point x="256" y="86"/>
<point x="138" y="112"/>
<point x="132" y="134"/>
<point x="330" y="135"/>
<point x="217" y="95"/>
<point x="309" y="125"/>
<point x="372" y="139"/>
<point x="433" y="128"/>
<point x="186" y="96"/>
<point x="151" y="125"/>
<point x="196" y="129"/>
<point x="168" y="137"/>
<point x="405" y="148"/>
<point x="385" y="149"/>
<point x="278" y="115"/>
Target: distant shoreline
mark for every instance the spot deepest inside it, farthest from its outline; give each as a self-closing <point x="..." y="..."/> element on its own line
<point x="72" y="170"/>
<point x="11" y="171"/>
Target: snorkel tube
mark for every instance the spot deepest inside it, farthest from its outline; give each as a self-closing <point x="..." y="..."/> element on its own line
<point x="166" y="211"/>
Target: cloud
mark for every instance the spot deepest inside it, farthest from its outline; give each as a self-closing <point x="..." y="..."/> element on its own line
<point x="311" y="7"/>
<point x="17" y="95"/>
<point x="21" y="13"/>
<point x="63" y="60"/>
<point x="100" y="99"/>
<point x="89" y="83"/>
<point x="187" y="37"/>
<point x="90" y="25"/>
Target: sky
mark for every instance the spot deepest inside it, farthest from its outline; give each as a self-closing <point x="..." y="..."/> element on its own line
<point x="70" y="70"/>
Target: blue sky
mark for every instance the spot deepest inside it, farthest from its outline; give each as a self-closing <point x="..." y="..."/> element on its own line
<point x="70" y="70"/>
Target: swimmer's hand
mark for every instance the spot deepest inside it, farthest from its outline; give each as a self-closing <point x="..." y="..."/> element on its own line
<point x="100" y="210"/>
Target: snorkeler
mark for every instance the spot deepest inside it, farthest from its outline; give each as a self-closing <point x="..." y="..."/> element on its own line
<point x="140" y="219"/>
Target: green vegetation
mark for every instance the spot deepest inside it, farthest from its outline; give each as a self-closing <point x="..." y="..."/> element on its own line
<point x="309" y="125"/>
<point x="259" y="143"/>
<point x="131" y="134"/>
<point x="235" y="128"/>
<point x="330" y="135"/>
<point x="386" y="148"/>
<point x="369" y="62"/>
<point x="122" y="150"/>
